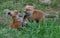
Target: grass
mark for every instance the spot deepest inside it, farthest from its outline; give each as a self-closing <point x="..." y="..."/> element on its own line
<point x="48" y="28"/>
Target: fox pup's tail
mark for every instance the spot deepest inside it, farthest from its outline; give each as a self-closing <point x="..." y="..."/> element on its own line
<point x="50" y="16"/>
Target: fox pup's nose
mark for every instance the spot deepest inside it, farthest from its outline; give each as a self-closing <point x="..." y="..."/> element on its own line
<point x="8" y="13"/>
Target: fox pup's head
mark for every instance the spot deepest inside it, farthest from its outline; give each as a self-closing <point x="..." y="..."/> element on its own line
<point x="13" y="13"/>
<point x="28" y="10"/>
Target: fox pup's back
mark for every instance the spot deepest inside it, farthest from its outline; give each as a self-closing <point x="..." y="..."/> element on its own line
<point x="34" y="14"/>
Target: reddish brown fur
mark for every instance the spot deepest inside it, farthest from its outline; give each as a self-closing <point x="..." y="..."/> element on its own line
<point x="15" y="23"/>
<point x="36" y="15"/>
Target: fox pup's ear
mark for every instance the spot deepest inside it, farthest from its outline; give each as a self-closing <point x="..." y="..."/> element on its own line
<point x="6" y="10"/>
<point x="29" y="6"/>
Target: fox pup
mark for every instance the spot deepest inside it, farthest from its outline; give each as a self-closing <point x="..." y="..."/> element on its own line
<point x="17" y="19"/>
<point x="35" y="14"/>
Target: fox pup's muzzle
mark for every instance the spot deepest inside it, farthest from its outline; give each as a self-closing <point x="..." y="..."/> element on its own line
<point x="27" y="14"/>
<point x="9" y="13"/>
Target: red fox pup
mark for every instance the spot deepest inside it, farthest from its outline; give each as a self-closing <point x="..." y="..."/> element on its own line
<point x="17" y="19"/>
<point x="35" y="14"/>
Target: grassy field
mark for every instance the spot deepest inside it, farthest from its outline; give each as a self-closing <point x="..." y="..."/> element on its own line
<point x="48" y="28"/>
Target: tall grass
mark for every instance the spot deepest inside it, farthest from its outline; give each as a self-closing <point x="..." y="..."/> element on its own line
<point x="48" y="28"/>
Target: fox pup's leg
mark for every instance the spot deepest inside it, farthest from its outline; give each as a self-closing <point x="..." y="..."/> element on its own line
<point x="32" y="20"/>
<point x="19" y="29"/>
<point x="37" y="20"/>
